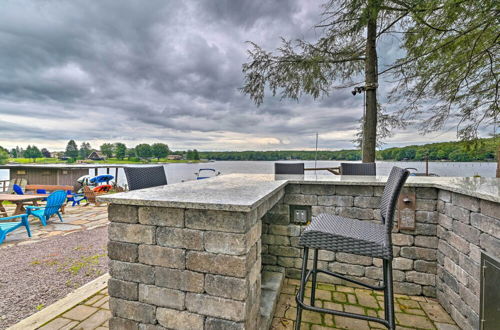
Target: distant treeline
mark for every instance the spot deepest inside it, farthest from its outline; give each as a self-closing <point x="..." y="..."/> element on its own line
<point x="280" y="155"/>
<point x="480" y="150"/>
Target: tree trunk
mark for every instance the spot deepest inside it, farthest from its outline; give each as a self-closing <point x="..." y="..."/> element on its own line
<point x="371" y="83"/>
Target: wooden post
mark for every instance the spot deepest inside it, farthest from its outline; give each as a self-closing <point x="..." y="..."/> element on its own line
<point x="498" y="161"/>
<point x="371" y="83"/>
<point x="427" y="165"/>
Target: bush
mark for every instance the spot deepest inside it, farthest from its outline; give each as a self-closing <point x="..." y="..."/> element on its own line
<point x="4" y="156"/>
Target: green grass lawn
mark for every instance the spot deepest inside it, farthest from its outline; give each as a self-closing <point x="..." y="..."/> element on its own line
<point x="38" y="160"/>
<point x="107" y="161"/>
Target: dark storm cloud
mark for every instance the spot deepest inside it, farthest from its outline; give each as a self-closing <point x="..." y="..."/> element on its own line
<point x="247" y="12"/>
<point x="156" y="70"/>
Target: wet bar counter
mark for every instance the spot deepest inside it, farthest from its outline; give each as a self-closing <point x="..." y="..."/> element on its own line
<point x="195" y="254"/>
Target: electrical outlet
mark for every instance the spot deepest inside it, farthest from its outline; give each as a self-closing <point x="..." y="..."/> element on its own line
<point x="300" y="216"/>
<point x="300" y="213"/>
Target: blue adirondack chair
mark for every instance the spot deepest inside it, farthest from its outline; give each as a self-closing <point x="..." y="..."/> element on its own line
<point x="17" y="189"/>
<point x="54" y="203"/>
<point x="76" y="199"/>
<point x="8" y="227"/>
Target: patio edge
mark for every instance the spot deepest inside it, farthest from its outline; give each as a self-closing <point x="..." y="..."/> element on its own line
<point x="59" y="307"/>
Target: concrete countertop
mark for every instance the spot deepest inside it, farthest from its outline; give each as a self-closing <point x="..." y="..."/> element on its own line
<point x="232" y="192"/>
<point x="244" y="192"/>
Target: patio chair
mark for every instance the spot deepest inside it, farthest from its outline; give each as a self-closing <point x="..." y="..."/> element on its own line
<point x="288" y="168"/>
<point x="358" y="169"/>
<point x="90" y="195"/>
<point x="76" y="198"/>
<point x="54" y="202"/>
<point x="19" y="181"/>
<point x="10" y="226"/>
<point x="17" y="189"/>
<point x="145" y="177"/>
<point x="338" y="234"/>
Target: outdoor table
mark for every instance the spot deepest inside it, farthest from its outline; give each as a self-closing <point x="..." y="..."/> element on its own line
<point x="18" y="200"/>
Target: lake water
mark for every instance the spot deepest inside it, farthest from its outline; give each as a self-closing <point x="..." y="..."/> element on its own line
<point x="184" y="171"/>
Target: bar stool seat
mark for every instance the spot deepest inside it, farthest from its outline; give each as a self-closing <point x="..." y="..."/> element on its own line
<point x="339" y="234"/>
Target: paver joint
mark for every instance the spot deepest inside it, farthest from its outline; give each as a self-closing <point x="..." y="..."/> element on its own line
<point x="412" y="312"/>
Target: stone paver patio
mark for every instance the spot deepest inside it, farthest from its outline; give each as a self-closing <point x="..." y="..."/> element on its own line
<point x="93" y="313"/>
<point x="412" y="312"/>
<point x="75" y="219"/>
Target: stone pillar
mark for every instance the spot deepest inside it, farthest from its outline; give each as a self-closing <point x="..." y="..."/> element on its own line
<point x="184" y="268"/>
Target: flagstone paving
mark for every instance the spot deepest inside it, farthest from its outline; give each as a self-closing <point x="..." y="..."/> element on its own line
<point x="412" y="312"/>
<point x="75" y="219"/>
<point x="91" y="314"/>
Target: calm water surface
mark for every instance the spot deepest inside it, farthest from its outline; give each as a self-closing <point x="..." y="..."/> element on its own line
<point x="184" y="171"/>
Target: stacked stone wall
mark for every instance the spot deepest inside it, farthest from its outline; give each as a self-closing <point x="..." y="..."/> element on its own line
<point x="414" y="251"/>
<point x="440" y="258"/>
<point x="185" y="268"/>
<point x="191" y="268"/>
<point x="467" y="227"/>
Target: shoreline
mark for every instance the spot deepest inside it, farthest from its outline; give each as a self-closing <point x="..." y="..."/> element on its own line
<point x="125" y="162"/>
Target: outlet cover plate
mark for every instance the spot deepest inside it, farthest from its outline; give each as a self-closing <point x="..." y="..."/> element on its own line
<point x="300" y="214"/>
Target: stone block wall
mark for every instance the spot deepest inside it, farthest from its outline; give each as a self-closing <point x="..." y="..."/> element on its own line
<point x="414" y="251"/>
<point x="440" y="258"/>
<point x="190" y="268"/>
<point x="467" y="226"/>
<point x="185" y="268"/>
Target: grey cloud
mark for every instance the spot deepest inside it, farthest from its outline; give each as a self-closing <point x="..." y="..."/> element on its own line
<point x="247" y="12"/>
<point x="155" y="70"/>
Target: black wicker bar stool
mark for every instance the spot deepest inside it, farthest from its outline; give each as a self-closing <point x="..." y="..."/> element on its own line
<point x="366" y="238"/>
<point x="140" y="177"/>
<point x="358" y="169"/>
<point x="288" y="168"/>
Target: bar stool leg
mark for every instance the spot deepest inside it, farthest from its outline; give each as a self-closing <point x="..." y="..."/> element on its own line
<point x="386" y="297"/>
<point x="390" y="295"/>
<point x="298" y="319"/>
<point x="314" y="275"/>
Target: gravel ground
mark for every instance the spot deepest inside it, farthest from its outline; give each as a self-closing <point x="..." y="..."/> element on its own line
<point x="36" y="275"/>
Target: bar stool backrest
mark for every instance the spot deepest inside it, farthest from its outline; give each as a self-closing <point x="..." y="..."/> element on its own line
<point x="288" y="168"/>
<point x="145" y="177"/>
<point x="358" y="169"/>
<point x="392" y="189"/>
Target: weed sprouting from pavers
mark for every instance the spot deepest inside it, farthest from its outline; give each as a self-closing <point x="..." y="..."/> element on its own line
<point x="412" y="312"/>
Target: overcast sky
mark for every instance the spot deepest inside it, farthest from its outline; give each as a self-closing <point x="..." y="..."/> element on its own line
<point x="161" y="71"/>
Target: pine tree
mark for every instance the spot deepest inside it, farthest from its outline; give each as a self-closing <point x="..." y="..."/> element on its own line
<point x="120" y="150"/>
<point x="71" y="149"/>
<point x="448" y="70"/>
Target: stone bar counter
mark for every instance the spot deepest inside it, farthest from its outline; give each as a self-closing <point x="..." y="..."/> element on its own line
<point x="211" y="254"/>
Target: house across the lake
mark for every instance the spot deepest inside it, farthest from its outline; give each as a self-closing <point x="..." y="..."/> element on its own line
<point x="59" y="155"/>
<point x="174" y="157"/>
<point x="96" y="155"/>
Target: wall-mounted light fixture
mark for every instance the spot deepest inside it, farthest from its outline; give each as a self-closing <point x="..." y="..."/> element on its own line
<point x="358" y="90"/>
